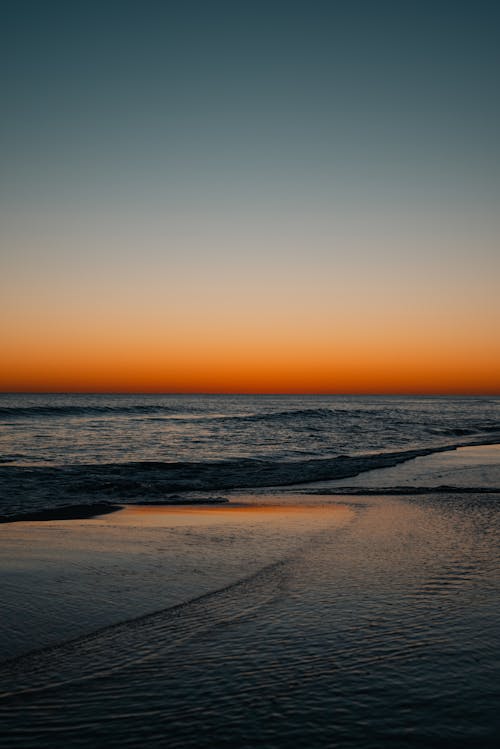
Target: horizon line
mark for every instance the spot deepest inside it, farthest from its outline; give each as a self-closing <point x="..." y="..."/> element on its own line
<point x="437" y="394"/>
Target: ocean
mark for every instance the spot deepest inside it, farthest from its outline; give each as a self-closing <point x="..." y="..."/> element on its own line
<point x="275" y="571"/>
<point x="78" y="449"/>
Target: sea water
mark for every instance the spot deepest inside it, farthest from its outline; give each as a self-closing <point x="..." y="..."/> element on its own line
<point x="62" y="429"/>
<point x="70" y="449"/>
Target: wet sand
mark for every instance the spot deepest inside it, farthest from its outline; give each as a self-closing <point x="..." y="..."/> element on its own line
<point x="279" y="620"/>
<point x="65" y="578"/>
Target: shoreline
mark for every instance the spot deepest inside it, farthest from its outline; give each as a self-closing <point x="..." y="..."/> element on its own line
<point x="152" y="483"/>
<point x="88" y="511"/>
<point x="66" y="512"/>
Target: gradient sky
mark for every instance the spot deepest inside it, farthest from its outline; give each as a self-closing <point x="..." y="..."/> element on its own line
<point x="265" y="196"/>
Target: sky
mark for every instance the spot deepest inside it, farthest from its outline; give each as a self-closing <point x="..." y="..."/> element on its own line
<point x="250" y="196"/>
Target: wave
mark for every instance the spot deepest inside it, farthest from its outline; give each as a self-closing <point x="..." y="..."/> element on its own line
<point x="313" y="420"/>
<point x="157" y="409"/>
<point x="299" y="415"/>
<point x="29" y="411"/>
<point x="379" y="491"/>
<point x="33" y="488"/>
<point x="289" y="416"/>
<point x="466" y="431"/>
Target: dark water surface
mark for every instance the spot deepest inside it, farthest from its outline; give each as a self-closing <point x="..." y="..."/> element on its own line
<point x="62" y="449"/>
<point x="57" y="429"/>
<point x="375" y="624"/>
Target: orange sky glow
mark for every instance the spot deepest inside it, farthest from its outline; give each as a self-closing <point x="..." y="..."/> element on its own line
<point x="380" y="360"/>
<point x="289" y="329"/>
<point x="183" y="214"/>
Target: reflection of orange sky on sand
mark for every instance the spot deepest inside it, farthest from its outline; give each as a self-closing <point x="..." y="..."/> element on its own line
<point x="204" y="515"/>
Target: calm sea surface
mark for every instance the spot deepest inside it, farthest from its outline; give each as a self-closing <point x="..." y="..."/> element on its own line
<point x="65" y="429"/>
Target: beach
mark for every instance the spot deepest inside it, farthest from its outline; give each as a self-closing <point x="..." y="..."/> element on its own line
<point x="282" y="618"/>
<point x="250" y="375"/>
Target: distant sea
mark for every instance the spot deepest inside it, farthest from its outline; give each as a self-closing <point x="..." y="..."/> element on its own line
<point x="61" y="448"/>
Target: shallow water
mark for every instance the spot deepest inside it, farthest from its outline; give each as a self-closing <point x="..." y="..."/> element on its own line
<point x="372" y="624"/>
<point x="466" y="467"/>
<point x="63" y="579"/>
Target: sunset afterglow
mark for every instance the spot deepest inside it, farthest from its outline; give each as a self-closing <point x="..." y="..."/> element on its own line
<point x="200" y="217"/>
